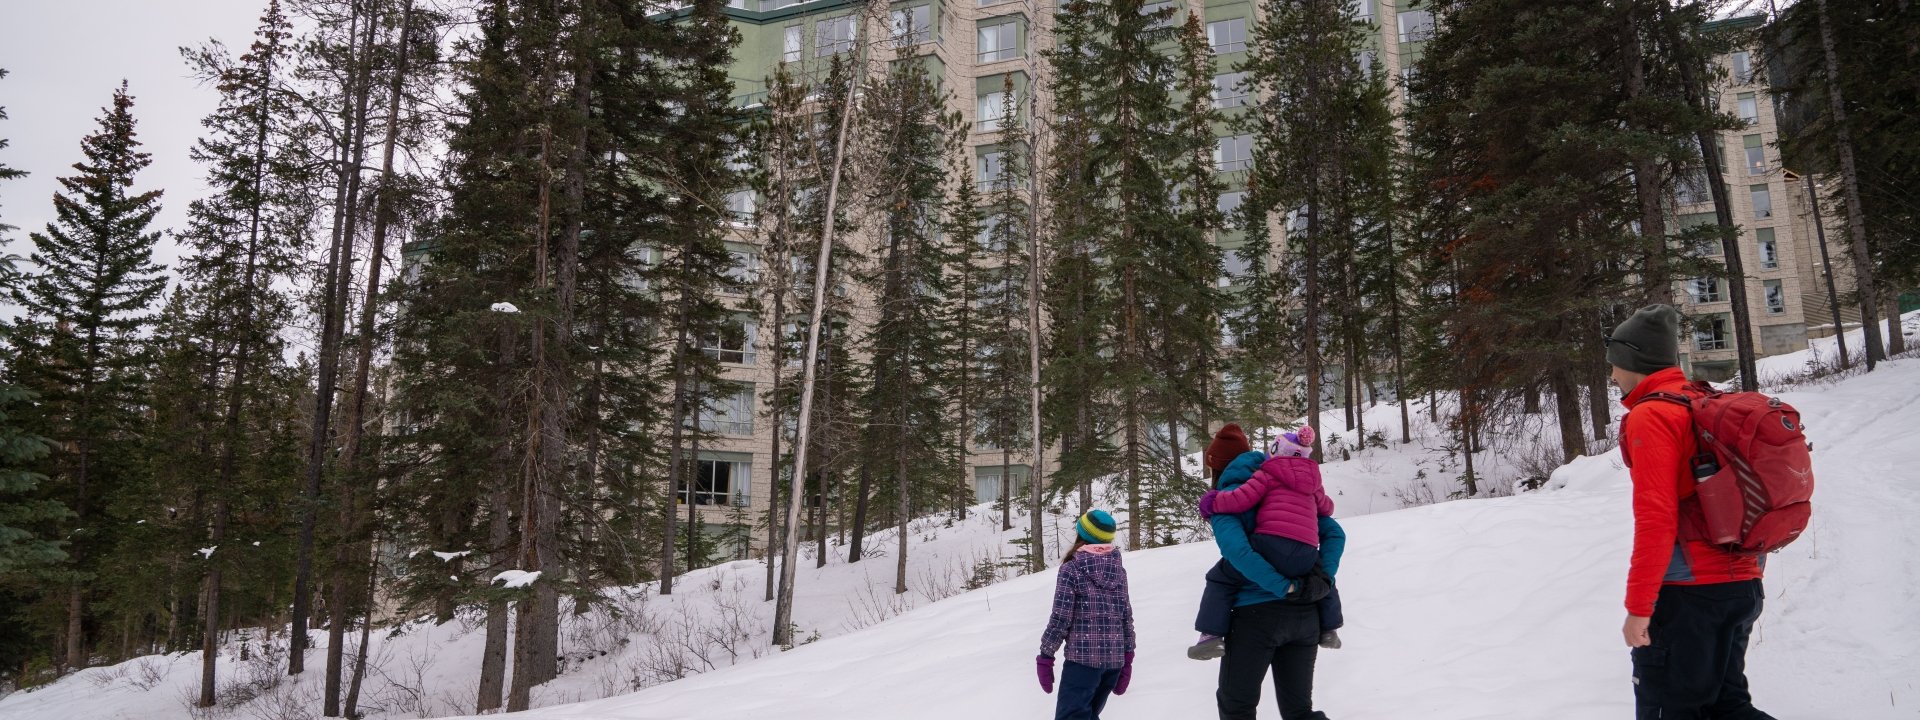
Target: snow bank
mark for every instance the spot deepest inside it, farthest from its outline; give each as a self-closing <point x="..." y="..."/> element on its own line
<point x="1504" y="608"/>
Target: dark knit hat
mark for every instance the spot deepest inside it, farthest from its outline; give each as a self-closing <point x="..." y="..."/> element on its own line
<point x="1227" y="444"/>
<point x="1648" y="342"/>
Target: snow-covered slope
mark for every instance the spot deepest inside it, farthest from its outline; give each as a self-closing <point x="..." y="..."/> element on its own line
<point x="1484" y="609"/>
<point x="1494" y="608"/>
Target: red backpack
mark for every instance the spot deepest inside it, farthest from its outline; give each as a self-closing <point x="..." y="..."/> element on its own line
<point x="1754" y="469"/>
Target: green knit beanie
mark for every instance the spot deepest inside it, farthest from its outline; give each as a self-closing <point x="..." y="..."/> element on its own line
<point x="1648" y="342"/>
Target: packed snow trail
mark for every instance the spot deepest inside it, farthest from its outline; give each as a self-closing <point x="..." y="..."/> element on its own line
<point x="1505" y="609"/>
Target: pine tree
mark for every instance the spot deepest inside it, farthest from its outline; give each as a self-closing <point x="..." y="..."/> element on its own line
<point x="694" y="260"/>
<point x="1112" y="84"/>
<point x="336" y="59"/>
<point x="779" y="177"/>
<point x="908" y="136"/>
<point x="1843" y="78"/>
<point x="1531" y="234"/>
<point x="1078" y="410"/>
<point x="1316" y="120"/>
<point x="78" y="343"/>
<point x="6" y="173"/>
<point x="243" y="241"/>
<point x="962" y="224"/>
<point x="1185" y="341"/>
<point x="1001" y="311"/>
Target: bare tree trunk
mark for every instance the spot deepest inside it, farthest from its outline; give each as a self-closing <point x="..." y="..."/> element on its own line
<point x="210" y="608"/>
<point x="1863" y="271"/>
<point x="905" y="513"/>
<point x="1467" y="416"/>
<point x="1312" y="325"/>
<point x="352" y="708"/>
<point x="1036" y="470"/>
<point x="1826" y="268"/>
<point x="352" y="153"/>
<point x="860" y="512"/>
<point x="1896" y="338"/>
<point x="1006" y="489"/>
<point x="1566" y="400"/>
<point x="493" y="659"/>
<point x="1599" y="402"/>
<point x="783" y="607"/>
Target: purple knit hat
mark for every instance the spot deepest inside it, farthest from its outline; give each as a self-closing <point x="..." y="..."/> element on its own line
<point x="1298" y="443"/>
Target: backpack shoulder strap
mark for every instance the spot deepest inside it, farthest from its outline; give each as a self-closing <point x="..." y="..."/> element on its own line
<point x="1675" y="398"/>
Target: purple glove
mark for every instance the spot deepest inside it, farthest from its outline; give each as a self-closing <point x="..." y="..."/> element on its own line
<point x="1206" y="504"/>
<point x="1126" y="674"/>
<point x="1044" y="665"/>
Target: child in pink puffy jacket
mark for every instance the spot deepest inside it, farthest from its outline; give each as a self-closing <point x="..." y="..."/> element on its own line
<point x="1287" y="500"/>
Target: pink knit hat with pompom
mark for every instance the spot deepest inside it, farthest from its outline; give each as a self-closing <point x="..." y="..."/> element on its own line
<point x="1298" y="443"/>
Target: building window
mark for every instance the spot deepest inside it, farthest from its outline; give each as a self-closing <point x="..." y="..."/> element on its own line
<point x="1233" y="267"/>
<point x="986" y="482"/>
<point x="1227" y="36"/>
<point x="745" y="268"/>
<point x="1749" y="108"/>
<point x="720" y="479"/>
<point x="999" y="42"/>
<point x="733" y="342"/>
<point x="1710" y="333"/>
<point x="1762" y="201"/>
<point x="1229" y="90"/>
<point x="832" y="36"/>
<point x="1416" y="26"/>
<point x="1756" y="154"/>
<point x="790" y="45"/>
<point x="1159" y="14"/>
<point x="1776" y="297"/>
<point x="993" y="169"/>
<point x="988" y="238"/>
<point x="1769" y="250"/>
<point x="993" y="110"/>
<point x="1705" y="290"/>
<point x="740" y="206"/>
<point x="729" y="414"/>
<point x="913" y="26"/>
<point x="1690" y="187"/>
<point x="1235" y="152"/>
<point x="1362" y="10"/>
<point x="1742" y="67"/>
<point x="1229" y="207"/>
<point x="1364" y="60"/>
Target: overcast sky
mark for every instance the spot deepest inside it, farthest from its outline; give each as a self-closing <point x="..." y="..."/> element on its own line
<point x="65" y="57"/>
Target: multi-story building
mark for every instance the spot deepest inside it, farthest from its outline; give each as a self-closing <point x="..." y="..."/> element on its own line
<point x="1785" y="283"/>
<point x="977" y="48"/>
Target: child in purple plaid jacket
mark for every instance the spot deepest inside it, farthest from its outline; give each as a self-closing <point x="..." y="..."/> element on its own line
<point x="1093" y="616"/>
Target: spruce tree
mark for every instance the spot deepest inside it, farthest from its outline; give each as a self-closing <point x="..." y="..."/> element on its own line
<point x="1001" y="310"/>
<point x="78" y="342"/>
<point x="1531" y="210"/>
<point x="1078" y="410"/>
<point x="1314" y="122"/>
<point x="961" y="225"/>
<point x="6" y="173"/>
<point x="243" y="242"/>
<point x="1111" y="82"/>
<point x="908" y="137"/>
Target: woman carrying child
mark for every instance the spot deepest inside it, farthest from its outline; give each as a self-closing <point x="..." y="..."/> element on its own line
<point x="1252" y="616"/>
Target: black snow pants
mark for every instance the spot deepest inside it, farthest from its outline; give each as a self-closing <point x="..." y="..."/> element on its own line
<point x="1696" y="668"/>
<point x="1281" y="636"/>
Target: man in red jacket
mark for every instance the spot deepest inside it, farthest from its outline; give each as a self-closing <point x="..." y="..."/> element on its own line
<point x="1690" y="604"/>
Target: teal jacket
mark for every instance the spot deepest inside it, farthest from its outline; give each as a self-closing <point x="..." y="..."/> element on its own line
<point x="1230" y="534"/>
